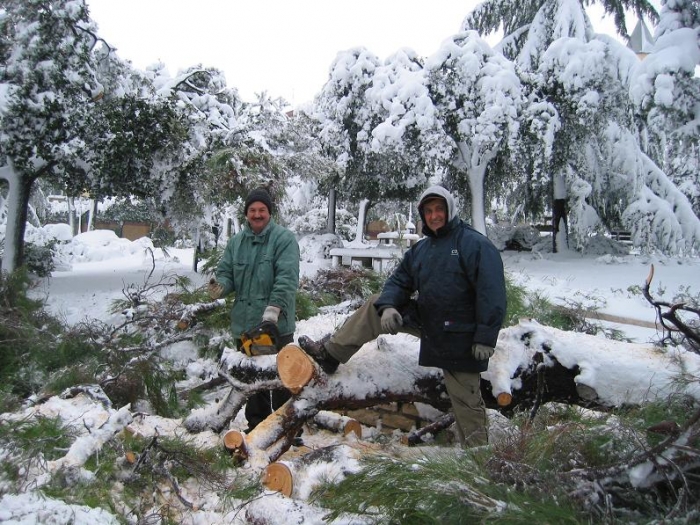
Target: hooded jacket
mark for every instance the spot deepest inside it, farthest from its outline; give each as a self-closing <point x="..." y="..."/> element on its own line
<point x="262" y="270"/>
<point x="458" y="276"/>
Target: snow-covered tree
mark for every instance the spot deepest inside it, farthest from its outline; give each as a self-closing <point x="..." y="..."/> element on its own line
<point x="48" y="88"/>
<point x="406" y="139"/>
<point x="516" y="21"/>
<point x="346" y="121"/>
<point x="478" y="98"/>
<point x="401" y="124"/>
<point x="584" y="80"/>
<point x="206" y="173"/>
<point x="666" y="92"/>
<point x="73" y="114"/>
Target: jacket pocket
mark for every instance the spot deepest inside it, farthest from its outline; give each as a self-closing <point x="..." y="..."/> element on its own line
<point x="452" y="341"/>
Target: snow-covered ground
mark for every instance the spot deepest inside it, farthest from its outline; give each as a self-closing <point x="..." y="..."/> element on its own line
<point x="102" y="267"/>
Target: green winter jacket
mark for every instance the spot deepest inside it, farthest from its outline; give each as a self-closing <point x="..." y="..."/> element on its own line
<point x="262" y="270"/>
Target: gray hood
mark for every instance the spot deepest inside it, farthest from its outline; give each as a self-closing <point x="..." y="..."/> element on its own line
<point x="438" y="191"/>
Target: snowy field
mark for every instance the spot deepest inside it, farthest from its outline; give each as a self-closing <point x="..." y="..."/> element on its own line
<point x="102" y="266"/>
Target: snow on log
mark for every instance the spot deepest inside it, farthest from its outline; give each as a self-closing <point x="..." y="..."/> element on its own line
<point x="246" y="376"/>
<point x="580" y="368"/>
<point x="87" y="411"/>
<point x="85" y="446"/>
<point x="533" y="364"/>
<point x="382" y="371"/>
<point x="272" y="437"/>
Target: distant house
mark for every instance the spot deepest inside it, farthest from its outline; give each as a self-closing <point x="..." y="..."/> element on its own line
<point x="641" y="40"/>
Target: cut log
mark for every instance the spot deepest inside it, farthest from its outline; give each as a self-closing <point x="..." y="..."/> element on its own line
<point x="532" y="365"/>
<point x="234" y="440"/>
<point x="278" y="477"/>
<point x="285" y="476"/>
<point x="503" y="399"/>
<point x="295" y="368"/>
<point x="338" y="423"/>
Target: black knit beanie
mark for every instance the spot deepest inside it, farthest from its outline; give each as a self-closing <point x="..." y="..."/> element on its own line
<point x="258" y="195"/>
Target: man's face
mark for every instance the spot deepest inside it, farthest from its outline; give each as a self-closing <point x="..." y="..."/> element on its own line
<point x="258" y="216"/>
<point x="435" y="214"/>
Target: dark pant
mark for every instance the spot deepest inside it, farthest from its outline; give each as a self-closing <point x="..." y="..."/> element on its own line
<point x="260" y="405"/>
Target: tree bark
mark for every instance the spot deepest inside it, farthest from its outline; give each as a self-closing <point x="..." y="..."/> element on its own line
<point x="18" y="194"/>
<point x="330" y="227"/>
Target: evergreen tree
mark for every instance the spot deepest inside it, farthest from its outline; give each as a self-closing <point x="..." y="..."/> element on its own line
<point x="666" y="93"/>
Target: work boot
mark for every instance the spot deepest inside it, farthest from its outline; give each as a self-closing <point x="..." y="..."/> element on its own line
<point x="317" y="351"/>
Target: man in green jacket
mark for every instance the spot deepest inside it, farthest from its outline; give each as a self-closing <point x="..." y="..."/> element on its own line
<point x="261" y="265"/>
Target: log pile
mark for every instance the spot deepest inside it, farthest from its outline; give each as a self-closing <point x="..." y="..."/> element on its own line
<point x="533" y="365"/>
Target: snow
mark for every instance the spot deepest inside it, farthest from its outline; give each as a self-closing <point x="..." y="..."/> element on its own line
<point x="101" y="267"/>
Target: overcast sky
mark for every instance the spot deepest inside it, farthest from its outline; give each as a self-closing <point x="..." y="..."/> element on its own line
<point x="284" y="47"/>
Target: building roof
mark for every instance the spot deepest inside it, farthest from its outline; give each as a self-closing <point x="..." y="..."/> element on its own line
<point x="641" y="40"/>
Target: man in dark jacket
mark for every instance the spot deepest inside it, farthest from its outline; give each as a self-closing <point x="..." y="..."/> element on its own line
<point x="460" y="306"/>
<point x="261" y="265"/>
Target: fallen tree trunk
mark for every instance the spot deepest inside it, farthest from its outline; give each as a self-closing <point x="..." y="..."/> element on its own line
<point x="532" y="365"/>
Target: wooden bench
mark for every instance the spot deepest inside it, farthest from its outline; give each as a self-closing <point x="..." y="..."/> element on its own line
<point x="623" y="236"/>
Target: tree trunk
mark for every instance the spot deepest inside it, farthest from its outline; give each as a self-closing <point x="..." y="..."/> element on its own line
<point x="330" y="227"/>
<point x="476" y="172"/>
<point x="93" y="215"/>
<point x="361" y="219"/>
<point x="533" y="365"/>
<point x="17" y="207"/>
<point x="560" y="232"/>
<point x="70" y="202"/>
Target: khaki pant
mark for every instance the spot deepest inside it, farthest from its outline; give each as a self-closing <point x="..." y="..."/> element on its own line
<point x="463" y="387"/>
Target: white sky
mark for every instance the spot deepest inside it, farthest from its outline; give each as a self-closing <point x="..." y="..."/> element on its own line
<point x="284" y="47"/>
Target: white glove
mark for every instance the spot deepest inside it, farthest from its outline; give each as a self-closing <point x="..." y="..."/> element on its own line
<point x="391" y="320"/>
<point x="481" y="352"/>
<point x="215" y="289"/>
<point x="271" y="314"/>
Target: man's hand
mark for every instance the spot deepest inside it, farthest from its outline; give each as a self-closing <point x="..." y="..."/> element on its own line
<point x="215" y="289"/>
<point x="271" y="314"/>
<point x="481" y="352"/>
<point x="391" y="320"/>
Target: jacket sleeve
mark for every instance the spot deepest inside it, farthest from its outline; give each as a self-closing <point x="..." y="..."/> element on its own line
<point x="490" y="294"/>
<point x="398" y="288"/>
<point x="286" y="266"/>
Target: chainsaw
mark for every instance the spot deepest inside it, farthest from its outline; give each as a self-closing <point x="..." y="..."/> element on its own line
<point x="261" y="340"/>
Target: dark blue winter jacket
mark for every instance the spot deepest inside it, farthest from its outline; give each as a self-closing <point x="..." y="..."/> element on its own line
<point x="461" y="298"/>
